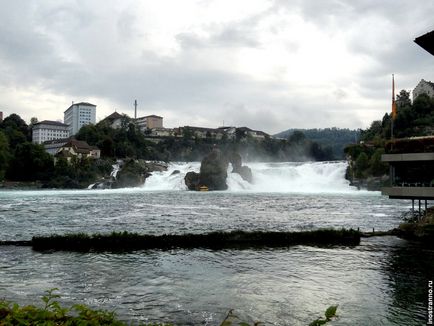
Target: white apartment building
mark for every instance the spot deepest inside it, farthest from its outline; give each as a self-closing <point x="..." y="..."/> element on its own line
<point x="49" y="130"/>
<point x="424" y="86"/>
<point x="78" y="115"/>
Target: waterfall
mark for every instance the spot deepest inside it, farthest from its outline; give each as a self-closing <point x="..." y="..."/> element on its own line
<point x="116" y="167"/>
<point x="306" y="177"/>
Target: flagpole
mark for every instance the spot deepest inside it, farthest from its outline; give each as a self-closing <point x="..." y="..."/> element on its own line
<point x="393" y="106"/>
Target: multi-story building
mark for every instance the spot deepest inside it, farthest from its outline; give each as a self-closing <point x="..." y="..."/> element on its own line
<point x="49" y="130"/>
<point x="424" y="87"/>
<point x="149" y="122"/>
<point x="78" y="115"/>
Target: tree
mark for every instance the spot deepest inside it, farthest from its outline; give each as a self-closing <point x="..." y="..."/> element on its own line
<point x="31" y="162"/>
<point x="4" y="155"/>
<point x="403" y="99"/>
<point x="423" y="105"/>
<point x="378" y="168"/>
<point x="33" y="121"/>
<point x="16" y="130"/>
<point x="297" y="137"/>
<point x="362" y="163"/>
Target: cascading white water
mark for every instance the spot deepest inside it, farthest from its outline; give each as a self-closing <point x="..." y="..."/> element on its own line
<point x="307" y="177"/>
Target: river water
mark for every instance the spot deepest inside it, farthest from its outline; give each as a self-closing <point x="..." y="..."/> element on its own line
<point x="381" y="282"/>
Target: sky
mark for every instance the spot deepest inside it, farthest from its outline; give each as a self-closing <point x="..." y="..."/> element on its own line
<point x="265" y="64"/>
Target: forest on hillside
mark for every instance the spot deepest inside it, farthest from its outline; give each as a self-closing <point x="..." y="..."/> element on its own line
<point x="335" y="138"/>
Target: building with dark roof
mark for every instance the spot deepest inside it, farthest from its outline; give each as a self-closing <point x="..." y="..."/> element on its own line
<point x="49" y="130"/>
<point x="79" y="149"/>
<point x="114" y="120"/>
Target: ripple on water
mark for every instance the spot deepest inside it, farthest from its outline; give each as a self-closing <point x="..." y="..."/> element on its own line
<point x="280" y="286"/>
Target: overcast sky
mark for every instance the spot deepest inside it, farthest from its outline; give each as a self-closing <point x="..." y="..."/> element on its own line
<point x="266" y="64"/>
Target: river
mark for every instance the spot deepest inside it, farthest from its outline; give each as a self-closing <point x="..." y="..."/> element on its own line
<point x="381" y="282"/>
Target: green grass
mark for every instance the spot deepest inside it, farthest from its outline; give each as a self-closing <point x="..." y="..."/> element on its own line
<point x="125" y="241"/>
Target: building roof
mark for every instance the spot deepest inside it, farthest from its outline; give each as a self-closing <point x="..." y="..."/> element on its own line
<point x="80" y="103"/>
<point x="202" y="129"/>
<point x="426" y="41"/>
<point x="51" y="123"/>
<point x="150" y="116"/>
<point x="429" y="83"/>
<point x="113" y="116"/>
<point x="79" y="146"/>
<point x="57" y="141"/>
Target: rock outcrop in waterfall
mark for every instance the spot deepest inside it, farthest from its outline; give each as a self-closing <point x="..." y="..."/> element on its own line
<point x="213" y="171"/>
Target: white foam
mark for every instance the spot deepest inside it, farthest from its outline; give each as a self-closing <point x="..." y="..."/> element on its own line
<point x="307" y="177"/>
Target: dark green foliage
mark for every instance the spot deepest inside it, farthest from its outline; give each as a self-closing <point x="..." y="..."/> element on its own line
<point x="21" y="160"/>
<point x="403" y="99"/>
<point x="54" y="314"/>
<point x="16" y="130"/>
<point x="415" y="119"/>
<point x="30" y="162"/>
<point x="79" y="173"/>
<point x="362" y="164"/>
<point x="331" y="140"/>
<point x="377" y="167"/>
<point x="365" y="161"/>
<point x="125" y="241"/>
<point x="4" y="155"/>
<point x="127" y="141"/>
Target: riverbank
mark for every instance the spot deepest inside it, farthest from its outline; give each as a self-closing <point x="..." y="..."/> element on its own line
<point x="20" y="185"/>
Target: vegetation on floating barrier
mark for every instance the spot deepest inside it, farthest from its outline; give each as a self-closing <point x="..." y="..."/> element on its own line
<point x="125" y="241"/>
<point x="54" y="314"/>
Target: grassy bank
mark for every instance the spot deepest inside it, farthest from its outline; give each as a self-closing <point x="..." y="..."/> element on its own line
<point x="125" y="241"/>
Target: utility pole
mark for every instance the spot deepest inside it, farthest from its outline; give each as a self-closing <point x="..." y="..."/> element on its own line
<point x="135" y="109"/>
<point x="393" y="116"/>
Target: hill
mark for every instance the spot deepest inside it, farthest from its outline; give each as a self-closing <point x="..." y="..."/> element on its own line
<point x="335" y="138"/>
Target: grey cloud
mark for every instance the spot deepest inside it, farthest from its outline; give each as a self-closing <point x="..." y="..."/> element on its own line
<point x="201" y="92"/>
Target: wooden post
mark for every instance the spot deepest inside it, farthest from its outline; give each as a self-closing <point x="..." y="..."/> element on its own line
<point x="419" y="210"/>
